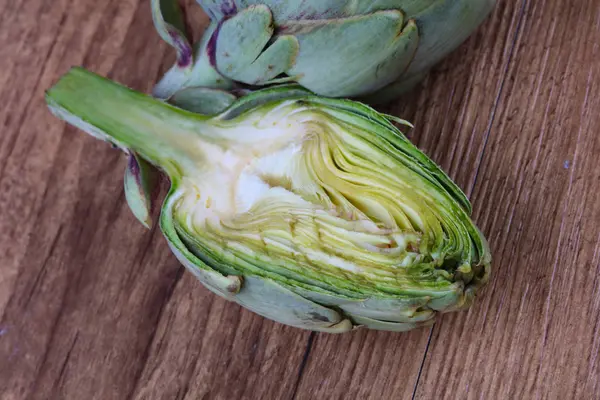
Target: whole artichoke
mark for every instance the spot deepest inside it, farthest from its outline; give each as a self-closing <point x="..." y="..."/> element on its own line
<point x="372" y="49"/>
<point x="314" y="212"/>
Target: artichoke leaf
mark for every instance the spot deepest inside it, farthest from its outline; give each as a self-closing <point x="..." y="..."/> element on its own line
<point x="139" y="184"/>
<point x="169" y="23"/>
<point x="202" y="73"/>
<point x="449" y="24"/>
<point x="391" y="42"/>
<point x="203" y="100"/>
<point x="243" y="52"/>
<point x="390" y="326"/>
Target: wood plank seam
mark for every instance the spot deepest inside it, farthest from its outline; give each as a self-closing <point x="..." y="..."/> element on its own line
<point x="309" y="343"/>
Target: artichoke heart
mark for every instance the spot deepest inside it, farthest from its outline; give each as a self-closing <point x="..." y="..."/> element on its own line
<point x="314" y="212"/>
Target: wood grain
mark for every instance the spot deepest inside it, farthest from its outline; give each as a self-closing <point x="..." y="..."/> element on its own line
<point x="534" y="334"/>
<point x="95" y="307"/>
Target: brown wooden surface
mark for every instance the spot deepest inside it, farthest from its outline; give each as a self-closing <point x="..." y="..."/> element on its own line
<point x="93" y="306"/>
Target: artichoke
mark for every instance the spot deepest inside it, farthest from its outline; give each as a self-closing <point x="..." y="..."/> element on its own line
<point x="313" y="212"/>
<point x="370" y="49"/>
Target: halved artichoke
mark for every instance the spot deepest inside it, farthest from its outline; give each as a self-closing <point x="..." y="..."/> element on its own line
<point x="373" y="49"/>
<point x="314" y="212"/>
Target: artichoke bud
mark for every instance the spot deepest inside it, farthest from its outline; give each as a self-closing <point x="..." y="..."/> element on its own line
<point x="314" y="212"/>
<point x="371" y="49"/>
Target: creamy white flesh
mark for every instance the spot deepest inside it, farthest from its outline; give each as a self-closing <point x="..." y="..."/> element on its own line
<point x="306" y="193"/>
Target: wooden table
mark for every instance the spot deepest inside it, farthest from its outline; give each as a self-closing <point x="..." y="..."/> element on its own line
<point x="94" y="306"/>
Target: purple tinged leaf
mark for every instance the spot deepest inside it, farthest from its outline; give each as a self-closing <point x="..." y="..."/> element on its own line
<point x="139" y="184"/>
<point x="169" y="23"/>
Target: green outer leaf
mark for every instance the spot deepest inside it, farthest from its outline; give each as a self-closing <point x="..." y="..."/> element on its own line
<point x="139" y="182"/>
<point x="243" y="52"/>
<point x="169" y="23"/>
<point x="445" y="24"/>
<point x="260" y="97"/>
<point x="391" y="326"/>
<point x="203" y="100"/>
<point x="276" y="59"/>
<point x="393" y="309"/>
<point x="201" y="74"/>
<point x="338" y="58"/>
<point x="402" y="85"/>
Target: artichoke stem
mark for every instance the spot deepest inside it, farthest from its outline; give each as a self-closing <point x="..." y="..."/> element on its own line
<point x="164" y="135"/>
